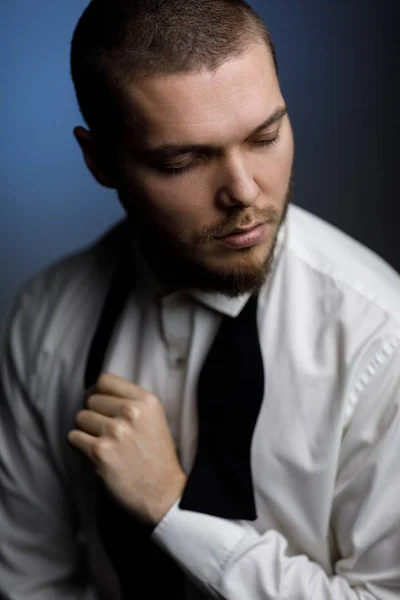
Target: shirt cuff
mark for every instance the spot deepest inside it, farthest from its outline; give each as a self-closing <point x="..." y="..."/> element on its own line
<point x="201" y="544"/>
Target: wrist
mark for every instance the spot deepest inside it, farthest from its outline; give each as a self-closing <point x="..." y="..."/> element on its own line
<point x="167" y="501"/>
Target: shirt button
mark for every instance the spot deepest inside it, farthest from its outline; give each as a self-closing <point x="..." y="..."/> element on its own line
<point x="180" y="362"/>
<point x="177" y="362"/>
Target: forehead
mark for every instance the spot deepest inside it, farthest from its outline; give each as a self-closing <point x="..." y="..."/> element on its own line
<point x="206" y="106"/>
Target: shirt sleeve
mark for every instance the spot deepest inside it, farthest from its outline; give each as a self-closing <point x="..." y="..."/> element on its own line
<point x="232" y="560"/>
<point x="40" y="554"/>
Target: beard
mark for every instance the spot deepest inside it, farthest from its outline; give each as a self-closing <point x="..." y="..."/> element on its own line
<point x="176" y="265"/>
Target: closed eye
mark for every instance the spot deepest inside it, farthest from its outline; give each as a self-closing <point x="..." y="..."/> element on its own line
<point x="174" y="171"/>
<point x="267" y="142"/>
<point x="171" y="171"/>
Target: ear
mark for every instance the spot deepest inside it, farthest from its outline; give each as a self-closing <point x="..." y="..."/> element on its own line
<point x="94" y="157"/>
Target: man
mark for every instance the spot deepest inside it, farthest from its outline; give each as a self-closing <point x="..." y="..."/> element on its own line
<point x="107" y="453"/>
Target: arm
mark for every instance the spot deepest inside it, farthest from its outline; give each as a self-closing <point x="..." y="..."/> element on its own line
<point x="40" y="557"/>
<point x="233" y="561"/>
<point x="125" y="434"/>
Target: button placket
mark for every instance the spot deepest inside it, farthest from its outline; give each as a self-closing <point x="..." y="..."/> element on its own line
<point x="176" y="326"/>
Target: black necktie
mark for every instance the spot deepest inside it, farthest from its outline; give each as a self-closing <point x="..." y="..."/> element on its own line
<point x="230" y="392"/>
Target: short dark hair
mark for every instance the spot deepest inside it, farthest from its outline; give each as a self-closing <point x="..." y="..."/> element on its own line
<point x="119" y="41"/>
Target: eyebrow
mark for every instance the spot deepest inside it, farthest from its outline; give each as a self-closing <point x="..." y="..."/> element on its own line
<point x="172" y="150"/>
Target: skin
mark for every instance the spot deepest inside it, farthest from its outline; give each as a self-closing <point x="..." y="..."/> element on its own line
<point x="238" y="145"/>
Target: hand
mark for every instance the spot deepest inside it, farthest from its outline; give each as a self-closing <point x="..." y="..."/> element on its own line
<point x="125" y="434"/>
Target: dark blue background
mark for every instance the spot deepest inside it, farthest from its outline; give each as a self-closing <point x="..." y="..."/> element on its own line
<point x="339" y="72"/>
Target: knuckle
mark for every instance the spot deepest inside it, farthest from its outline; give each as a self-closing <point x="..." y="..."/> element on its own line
<point x="119" y="429"/>
<point x="151" y="400"/>
<point x="130" y="412"/>
<point x="100" y="450"/>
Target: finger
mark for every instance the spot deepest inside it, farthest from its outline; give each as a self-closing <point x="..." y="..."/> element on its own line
<point x="113" y="385"/>
<point x="92" y="423"/>
<point x="109" y="406"/>
<point x="81" y="441"/>
<point x="89" y="392"/>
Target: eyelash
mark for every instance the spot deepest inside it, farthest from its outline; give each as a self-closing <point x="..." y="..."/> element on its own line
<point x="270" y="142"/>
<point x="176" y="171"/>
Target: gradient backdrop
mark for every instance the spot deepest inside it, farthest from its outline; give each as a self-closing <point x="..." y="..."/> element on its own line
<point x="340" y="76"/>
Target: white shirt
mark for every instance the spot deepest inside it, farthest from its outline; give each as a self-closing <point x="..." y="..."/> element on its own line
<point x="325" y="452"/>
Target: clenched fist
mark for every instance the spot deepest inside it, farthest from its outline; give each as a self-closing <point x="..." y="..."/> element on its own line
<point x="125" y="434"/>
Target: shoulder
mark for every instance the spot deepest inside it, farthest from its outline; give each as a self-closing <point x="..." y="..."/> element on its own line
<point x="56" y="301"/>
<point x="337" y="304"/>
<point x="340" y="263"/>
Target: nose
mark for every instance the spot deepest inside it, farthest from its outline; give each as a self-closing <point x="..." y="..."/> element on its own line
<point x="237" y="186"/>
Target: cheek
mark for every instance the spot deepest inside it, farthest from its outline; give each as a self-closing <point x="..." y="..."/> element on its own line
<point x="286" y="154"/>
<point x="277" y="168"/>
<point x="177" y="204"/>
<point x="181" y="198"/>
<point x="273" y="173"/>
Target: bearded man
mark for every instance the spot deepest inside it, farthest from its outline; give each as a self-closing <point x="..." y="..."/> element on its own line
<point x="205" y="402"/>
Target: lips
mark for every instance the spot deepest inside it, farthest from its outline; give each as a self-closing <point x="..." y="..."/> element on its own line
<point x="239" y="230"/>
<point x="244" y="238"/>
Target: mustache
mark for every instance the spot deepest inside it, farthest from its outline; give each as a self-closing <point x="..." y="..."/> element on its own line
<point x="240" y="220"/>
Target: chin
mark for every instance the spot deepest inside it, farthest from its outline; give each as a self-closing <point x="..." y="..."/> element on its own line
<point x="228" y="272"/>
<point x="231" y="278"/>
